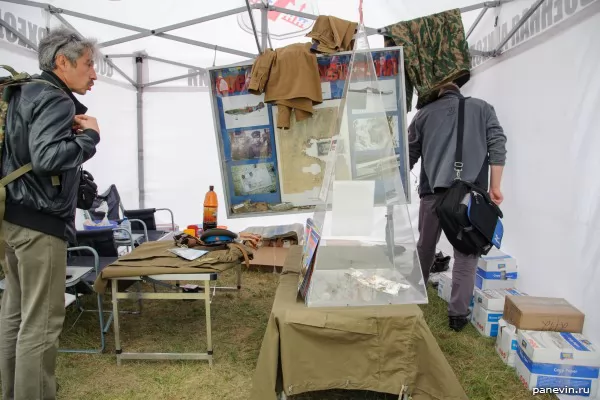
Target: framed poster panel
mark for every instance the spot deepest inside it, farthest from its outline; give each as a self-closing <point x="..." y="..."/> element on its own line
<point x="270" y="171"/>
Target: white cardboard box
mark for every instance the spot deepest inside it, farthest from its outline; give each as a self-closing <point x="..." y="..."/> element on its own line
<point x="485" y="321"/>
<point x="496" y="270"/>
<point x="493" y="299"/>
<point x="445" y="286"/>
<point x="496" y="260"/>
<point x="485" y="280"/>
<point x="506" y="342"/>
<point x="548" y="361"/>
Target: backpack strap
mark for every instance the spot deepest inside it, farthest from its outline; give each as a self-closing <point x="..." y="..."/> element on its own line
<point x="15" y="175"/>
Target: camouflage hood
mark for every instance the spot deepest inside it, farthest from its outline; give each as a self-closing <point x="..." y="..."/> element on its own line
<point x="435" y="53"/>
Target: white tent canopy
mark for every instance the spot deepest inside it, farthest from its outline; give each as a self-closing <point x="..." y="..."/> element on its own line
<point x="543" y="85"/>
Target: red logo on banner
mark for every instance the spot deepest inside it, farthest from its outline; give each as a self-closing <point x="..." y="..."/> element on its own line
<point x="281" y="25"/>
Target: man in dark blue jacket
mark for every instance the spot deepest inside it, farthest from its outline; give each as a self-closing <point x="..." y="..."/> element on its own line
<point x="45" y="126"/>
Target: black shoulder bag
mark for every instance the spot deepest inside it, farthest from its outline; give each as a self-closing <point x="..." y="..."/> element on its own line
<point x="469" y="218"/>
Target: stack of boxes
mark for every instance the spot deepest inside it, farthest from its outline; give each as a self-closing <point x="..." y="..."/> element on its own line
<point x="551" y="353"/>
<point x="488" y="309"/>
<point x="541" y="337"/>
<point x="496" y="278"/>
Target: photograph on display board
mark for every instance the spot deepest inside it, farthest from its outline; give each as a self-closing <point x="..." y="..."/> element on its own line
<point x="380" y="95"/>
<point x="302" y="153"/>
<point x="372" y="133"/>
<point x="244" y="111"/>
<point x="231" y="81"/>
<point x="249" y="179"/>
<point x="250" y="144"/>
<point x="333" y="71"/>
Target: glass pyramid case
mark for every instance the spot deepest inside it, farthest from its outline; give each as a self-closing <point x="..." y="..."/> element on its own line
<point x="360" y="247"/>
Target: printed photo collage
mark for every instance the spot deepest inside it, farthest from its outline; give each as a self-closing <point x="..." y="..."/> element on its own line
<point x="263" y="165"/>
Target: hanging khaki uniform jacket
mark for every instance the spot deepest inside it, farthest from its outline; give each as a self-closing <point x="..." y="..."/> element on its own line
<point x="289" y="77"/>
<point x="435" y="53"/>
<point x="332" y="35"/>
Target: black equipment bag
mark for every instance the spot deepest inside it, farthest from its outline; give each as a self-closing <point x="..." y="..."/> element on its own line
<point x="87" y="191"/>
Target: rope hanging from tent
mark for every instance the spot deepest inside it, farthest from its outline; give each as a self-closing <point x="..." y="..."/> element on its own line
<point x="360" y="11"/>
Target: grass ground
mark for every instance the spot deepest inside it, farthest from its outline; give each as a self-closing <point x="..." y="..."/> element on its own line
<point x="239" y="322"/>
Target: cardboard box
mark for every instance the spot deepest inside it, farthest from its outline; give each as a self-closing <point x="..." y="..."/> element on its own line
<point x="493" y="299"/>
<point x="486" y="280"/>
<point x="496" y="270"/>
<point x="543" y="314"/>
<point x="557" y="360"/>
<point x="485" y="321"/>
<point x="496" y="261"/>
<point x="445" y="286"/>
<point x="506" y="342"/>
<point x="269" y="257"/>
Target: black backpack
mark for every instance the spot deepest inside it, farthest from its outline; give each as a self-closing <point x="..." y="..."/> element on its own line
<point x="469" y="218"/>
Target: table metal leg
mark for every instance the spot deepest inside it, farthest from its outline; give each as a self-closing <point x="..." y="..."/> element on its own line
<point x="239" y="276"/>
<point x="208" y="322"/>
<point x="115" y="304"/>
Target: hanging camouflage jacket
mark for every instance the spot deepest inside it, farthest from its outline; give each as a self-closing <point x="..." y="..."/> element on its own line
<point x="435" y="53"/>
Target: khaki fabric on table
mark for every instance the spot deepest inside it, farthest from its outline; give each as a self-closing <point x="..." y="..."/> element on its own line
<point x="377" y="348"/>
<point x="154" y="258"/>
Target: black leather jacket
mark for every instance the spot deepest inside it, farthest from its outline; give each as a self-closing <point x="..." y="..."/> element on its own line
<point x="39" y="129"/>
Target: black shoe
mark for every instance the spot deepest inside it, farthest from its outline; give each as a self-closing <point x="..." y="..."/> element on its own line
<point x="457" y="324"/>
<point x="441" y="263"/>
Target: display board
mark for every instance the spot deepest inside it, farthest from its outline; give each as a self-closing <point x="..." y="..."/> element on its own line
<point x="272" y="171"/>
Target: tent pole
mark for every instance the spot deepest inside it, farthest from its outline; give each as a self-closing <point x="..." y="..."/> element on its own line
<point x="28" y="3"/>
<point x="206" y="45"/>
<point x="485" y="5"/>
<point x="120" y="55"/>
<point x="253" y="26"/>
<point x="140" y="129"/>
<point x="264" y="27"/>
<point x="518" y="26"/>
<point x="167" y="28"/>
<point x="171" y="79"/>
<point x="175" y="63"/>
<point x="477" y="21"/>
<point x="21" y="37"/>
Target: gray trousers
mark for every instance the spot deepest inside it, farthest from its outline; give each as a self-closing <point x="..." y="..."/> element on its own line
<point x="32" y="313"/>
<point x="465" y="266"/>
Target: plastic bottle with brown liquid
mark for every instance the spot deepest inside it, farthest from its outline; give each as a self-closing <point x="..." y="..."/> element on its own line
<point x="211" y="207"/>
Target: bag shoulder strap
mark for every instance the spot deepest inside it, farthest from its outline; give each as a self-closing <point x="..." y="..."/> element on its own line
<point x="460" y="131"/>
<point x="15" y="174"/>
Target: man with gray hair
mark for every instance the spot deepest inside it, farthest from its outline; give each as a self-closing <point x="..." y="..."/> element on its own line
<point x="432" y="138"/>
<point x="45" y="126"/>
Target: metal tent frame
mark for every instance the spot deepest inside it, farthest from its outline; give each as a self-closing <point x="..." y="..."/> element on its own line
<point x="260" y="44"/>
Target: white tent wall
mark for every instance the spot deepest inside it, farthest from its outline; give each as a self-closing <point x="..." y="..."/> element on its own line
<point x="546" y="93"/>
